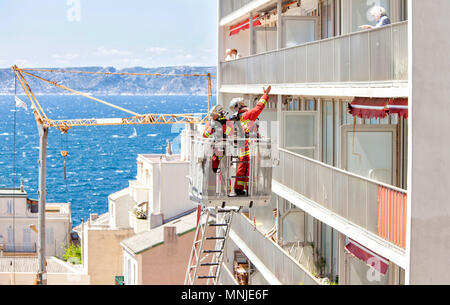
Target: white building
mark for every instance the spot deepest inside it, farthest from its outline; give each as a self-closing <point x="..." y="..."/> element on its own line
<point x="157" y="196"/>
<point x="362" y="199"/>
<point x="19" y="222"/>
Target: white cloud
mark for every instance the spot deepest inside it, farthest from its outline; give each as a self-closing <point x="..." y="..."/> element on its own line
<point x="102" y="51"/>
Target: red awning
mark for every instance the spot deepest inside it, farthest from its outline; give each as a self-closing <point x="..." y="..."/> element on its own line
<point x="399" y="106"/>
<point x="372" y="259"/>
<point x="367" y="108"/>
<point x="235" y="29"/>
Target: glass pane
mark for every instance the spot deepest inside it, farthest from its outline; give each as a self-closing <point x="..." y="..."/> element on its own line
<point x="361" y="12"/>
<point x="310" y="105"/>
<point x="264" y="216"/>
<point x="265" y="39"/>
<point x="298" y="31"/>
<point x="327" y="120"/>
<point x="294" y="227"/>
<point x="369" y="154"/>
<point x="327" y="19"/>
<point x="300" y="130"/>
<point x="337" y="126"/>
<point x="361" y="274"/>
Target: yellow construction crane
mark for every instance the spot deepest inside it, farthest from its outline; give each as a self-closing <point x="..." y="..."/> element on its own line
<point x="65" y="125"/>
<point x="44" y="123"/>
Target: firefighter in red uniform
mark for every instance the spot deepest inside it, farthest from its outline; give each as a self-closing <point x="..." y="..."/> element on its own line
<point x="247" y="119"/>
<point x="218" y="128"/>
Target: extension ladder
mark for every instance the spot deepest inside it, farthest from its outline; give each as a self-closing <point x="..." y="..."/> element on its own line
<point x="198" y="259"/>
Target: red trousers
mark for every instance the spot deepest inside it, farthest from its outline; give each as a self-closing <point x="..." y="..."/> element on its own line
<point x="242" y="171"/>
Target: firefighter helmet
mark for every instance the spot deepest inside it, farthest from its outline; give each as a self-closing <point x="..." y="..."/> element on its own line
<point x="217" y="112"/>
<point x="236" y="104"/>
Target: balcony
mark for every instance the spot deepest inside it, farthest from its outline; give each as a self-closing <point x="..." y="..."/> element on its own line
<point x="375" y="207"/>
<point x="373" y="56"/>
<point x="138" y="191"/>
<point x="273" y="257"/>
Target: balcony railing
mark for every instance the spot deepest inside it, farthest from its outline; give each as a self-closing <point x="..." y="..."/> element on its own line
<point x="376" y="207"/>
<point x="229" y="6"/>
<point x="277" y="260"/>
<point x="20" y="248"/>
<point x="375" y="55"/>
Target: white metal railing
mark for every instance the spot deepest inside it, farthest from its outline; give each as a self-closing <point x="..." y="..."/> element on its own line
<point x="20" y="247"/>
<point x="229" y="6"/>
<point x="277" y="260"/>
<point x="379" y="54"/>
<point x="226" y="277"/>
<point x="212" y="187"/>
<point x="353" y="197"/>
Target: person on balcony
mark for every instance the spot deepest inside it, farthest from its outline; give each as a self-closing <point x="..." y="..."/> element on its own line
<point x="273" y="231"/>
<point x="249" y="129"/>
<point x="232" y="54"/>
<point x="218" y="127"/>
<point x="379" y="13"/>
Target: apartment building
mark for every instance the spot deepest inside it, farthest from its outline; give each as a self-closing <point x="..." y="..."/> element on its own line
<point x="19" y="223"/>
<point x="361" y="178"/>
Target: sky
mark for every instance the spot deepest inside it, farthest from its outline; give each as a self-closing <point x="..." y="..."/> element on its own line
<point x="118" y="33"/>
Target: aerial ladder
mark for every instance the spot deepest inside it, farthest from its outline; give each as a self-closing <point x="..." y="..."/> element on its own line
<point x="44" y="123"/>
<point x="217" y="203"/>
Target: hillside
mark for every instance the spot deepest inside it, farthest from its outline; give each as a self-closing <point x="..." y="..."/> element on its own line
<point x="116" y="84"/>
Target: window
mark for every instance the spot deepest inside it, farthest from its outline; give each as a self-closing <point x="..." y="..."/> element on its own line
<point x="300" y="133"/>
<point x="49" y="236"/>
<point x="299" y="30"/>
<point x="10" y="237"/>
<point x="327" y="133"/>
<point x="370" y="151"/>
<point x="293" y="226"/>
<point x="10" y="207"/>
<point x="360" y="12"/>
<point x="328" y="7"/>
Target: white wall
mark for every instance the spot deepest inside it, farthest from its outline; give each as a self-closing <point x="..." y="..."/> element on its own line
<point x="175" y="189"/>
<point x="429" y="157"/>
<point x="120" y="204"/>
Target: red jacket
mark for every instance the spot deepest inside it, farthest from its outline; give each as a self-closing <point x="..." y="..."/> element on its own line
<point x="248" y="118"/>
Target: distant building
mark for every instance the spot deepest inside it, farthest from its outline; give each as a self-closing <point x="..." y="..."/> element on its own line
<point x="158" y="195"/>
<point x="160" y="256"/>
<point x="19" y="222"/>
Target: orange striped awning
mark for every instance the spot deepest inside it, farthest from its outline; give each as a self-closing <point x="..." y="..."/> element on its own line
<point x="392" y="216"/>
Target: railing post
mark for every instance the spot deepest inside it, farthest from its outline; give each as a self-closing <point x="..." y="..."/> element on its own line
<point x="369" y="55"/>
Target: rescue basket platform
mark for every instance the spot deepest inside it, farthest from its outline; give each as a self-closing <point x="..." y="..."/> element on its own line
<point x="214" y="170"/>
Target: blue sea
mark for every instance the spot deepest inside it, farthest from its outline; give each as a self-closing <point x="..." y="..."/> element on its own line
<point x="101" y="160"/>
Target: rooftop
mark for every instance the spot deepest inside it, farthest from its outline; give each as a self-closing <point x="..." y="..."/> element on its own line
<point x="162" y="158"/>
<point x="11" y="192"/>
<point x="146" y="240"/>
